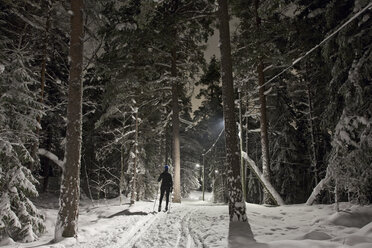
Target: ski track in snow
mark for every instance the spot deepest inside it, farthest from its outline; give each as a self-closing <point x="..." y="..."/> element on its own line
<point x="198" y="224"/>
<point x="172" y="230"/>
<point x="185" y="226"/>
<point x="124" y="232"/>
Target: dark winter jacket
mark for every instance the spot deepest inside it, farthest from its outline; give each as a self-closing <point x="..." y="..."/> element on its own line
<point x="166" y="180"/>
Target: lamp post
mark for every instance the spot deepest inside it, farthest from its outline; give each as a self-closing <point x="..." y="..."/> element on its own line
<point x="205" y="153"/>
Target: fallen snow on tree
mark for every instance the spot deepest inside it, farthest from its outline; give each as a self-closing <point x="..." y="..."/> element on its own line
<point x="263" y="180"/>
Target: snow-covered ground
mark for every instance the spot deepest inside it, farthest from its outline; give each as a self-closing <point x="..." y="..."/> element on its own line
<point x="195" y="223"/>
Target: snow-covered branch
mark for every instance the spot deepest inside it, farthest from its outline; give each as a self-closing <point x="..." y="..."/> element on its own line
<point x="186" y="122"/>
<point x="257" y="130"/>
<point x="52" y="157"/>
<point x="265" y="183"/>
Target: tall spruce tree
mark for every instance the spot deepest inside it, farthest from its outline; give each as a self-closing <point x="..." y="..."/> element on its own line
<point x="19" y="218"/>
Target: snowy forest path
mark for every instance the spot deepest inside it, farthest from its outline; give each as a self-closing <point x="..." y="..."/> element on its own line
<point x="119" y="231"/>
<point x="198" y="224"/>
<point x="175" y="229"/>
<point x="191" y="224"/>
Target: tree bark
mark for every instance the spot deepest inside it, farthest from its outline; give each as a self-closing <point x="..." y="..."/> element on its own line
<point x="242" y="165"/>
<point x="312" y="133"/>
<point x="236" y="204"/>
<point x="67" y="219"/>
<point x="122" y="173"/>
<point x="134" y="179"/>
<point x="263" y="119"/>
<point x="263" y="127"/>
<point x="166" y="143"/>
<point x="176" y="131"/>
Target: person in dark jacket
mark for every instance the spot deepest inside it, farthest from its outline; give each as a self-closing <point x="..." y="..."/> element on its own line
<point x="166" y="186"/>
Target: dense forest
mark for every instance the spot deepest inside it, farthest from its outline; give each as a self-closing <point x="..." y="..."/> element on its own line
<point x="97" y="96"/>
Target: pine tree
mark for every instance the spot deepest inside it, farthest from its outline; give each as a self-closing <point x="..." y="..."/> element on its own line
<point x="67" y="220"/>
<point x="236" y="204"/>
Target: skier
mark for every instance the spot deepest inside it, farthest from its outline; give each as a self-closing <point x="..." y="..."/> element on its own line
<point x="166" y="187"/>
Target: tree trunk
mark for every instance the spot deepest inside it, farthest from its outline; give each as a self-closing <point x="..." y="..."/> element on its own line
<point x="318" y="188"/>
<point x="247" y="189"/>
<point x="134" y="179"/>
<point x="203" y="177"/>
<point x="35" y="147"/>
<point x="312" y="133"/>
<point x="47" y="168"/>
<point x="242" y="165"/>
<point x="263" y="119"/>
<point x="176" y="131"/>
<point x="263" y="126"/>
<point x="166" y="138"/>
<point x="337" y="201"/>
<point x="67" y="220"/>
<point x="122" y="173"/>
<point x="138" y="188"/>
<point x="236" y="204"/>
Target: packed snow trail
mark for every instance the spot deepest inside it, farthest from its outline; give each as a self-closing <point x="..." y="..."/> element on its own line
<point x="197" y="224"/>
<point x="188" y="225"/>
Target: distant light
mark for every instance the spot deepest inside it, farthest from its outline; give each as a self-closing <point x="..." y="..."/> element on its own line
<point x="216" y="171"/>
<point x="222" y="123"/>
<point x="197" y="165"/>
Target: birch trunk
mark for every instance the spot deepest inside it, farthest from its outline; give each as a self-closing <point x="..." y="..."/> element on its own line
<point x="67" y="219"/>
<point x="236" y="204"/>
